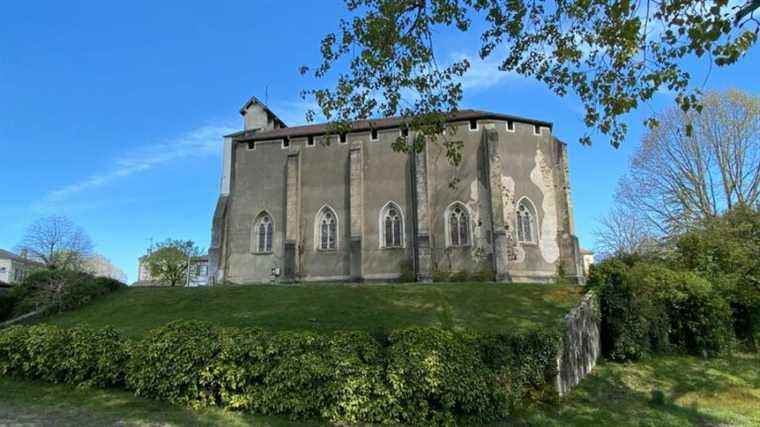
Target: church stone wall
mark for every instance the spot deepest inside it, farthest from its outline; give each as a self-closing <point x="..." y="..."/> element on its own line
<point x="357" y="178"/>
<point x="386" y="179"/>
<point x="527" y="164"/>
<point x="324" y="182"/>
<point x="257" y="185"/>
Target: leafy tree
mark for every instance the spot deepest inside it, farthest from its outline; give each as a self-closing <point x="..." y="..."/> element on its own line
<point x="57" y="242"/>
<point x="168" y="262"/>
<point x="613" y="55"/>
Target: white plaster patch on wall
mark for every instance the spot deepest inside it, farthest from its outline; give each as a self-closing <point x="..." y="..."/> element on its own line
<point x="541" y="175"/>
<point x="508" y="199"/>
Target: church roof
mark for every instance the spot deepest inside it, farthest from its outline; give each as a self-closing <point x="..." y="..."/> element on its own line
<point x="365" y="125"/>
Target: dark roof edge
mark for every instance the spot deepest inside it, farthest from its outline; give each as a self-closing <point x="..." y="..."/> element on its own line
<point x="243" y="135"/>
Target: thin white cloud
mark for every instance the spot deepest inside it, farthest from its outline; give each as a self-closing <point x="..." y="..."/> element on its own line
<point x="482" y="74"/>
<point x="201" y="142"/>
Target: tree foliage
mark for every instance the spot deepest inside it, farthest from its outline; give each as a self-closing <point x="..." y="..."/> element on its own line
<point x="168" y="262"/>
<point x="613" y="55"/>
<point x="57" y="242"/>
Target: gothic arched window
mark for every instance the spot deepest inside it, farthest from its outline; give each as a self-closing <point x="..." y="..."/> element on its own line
<point x="327" y="229"/>
<point x="391" y="226"/>
<point x="527" y="229"/>
<point x="458" y="225"/>
<point x="263" y="230"/>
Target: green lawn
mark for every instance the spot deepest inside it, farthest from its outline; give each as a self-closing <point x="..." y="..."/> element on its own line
<point x="717" y="392"/>
<point x="713" y="392"/>
<point x="377" y="308"/>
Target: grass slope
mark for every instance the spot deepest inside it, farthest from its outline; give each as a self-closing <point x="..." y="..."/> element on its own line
<point x="376" y="308"/>
<point x="705" y="392"/>
<point x="714" y="392"/>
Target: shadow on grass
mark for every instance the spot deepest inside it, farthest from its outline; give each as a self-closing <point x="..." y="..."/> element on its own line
<point x="606" y="399"/>
<point x="25" y="402"/>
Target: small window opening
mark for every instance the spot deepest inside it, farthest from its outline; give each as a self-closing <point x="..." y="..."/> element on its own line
<point x="251" y="145"/>
<point x="286" y="142"/>
<point x="373" y="135"/>
<point x="310" y="141"/>
<point x="537" y="129"/>
<point x="510" y="125"/>
<point x="473" y="124"/>
<point x="342" y="138"/>
<point x="404" y="132"/>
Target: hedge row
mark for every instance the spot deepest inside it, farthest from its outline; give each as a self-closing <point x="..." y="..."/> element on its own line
<point x="648" y="308"/>
<point x="417" y="376"/>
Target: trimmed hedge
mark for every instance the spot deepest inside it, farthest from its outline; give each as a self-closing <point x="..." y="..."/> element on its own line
<point x="417" y="376"/>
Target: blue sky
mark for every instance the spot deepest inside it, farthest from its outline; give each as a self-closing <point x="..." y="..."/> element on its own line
<point x="112" y="112"/>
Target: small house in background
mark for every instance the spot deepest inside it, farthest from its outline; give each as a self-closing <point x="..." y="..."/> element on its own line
<point x="198" y="272"/>
<point x="587" y="258"/>
<point x="14" y="268"/>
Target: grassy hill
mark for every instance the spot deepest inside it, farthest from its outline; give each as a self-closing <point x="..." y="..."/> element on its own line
<point x="376" y="308"/>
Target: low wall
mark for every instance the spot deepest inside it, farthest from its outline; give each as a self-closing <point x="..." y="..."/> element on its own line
<point x="23" y="318"/>
<point x="581" y="345"/>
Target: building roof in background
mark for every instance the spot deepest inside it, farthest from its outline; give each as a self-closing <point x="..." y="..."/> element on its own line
<point x="365" y="125"/>
<point x="10" y="255"/>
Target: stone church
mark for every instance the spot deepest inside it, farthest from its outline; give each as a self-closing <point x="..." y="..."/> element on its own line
<point x="298" y="204"/>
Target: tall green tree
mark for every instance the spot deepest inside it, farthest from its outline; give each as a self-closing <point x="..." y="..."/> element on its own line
<point x="612" y="54"/>
<point x="168" y="262"/>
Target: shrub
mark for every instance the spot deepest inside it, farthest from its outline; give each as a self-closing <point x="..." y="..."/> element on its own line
<point x="298" y="374"/>
<point x="168" y="364"/>
<point x="59" y="290"/>
<point x="436" y="374"/>
<point x="7" y="303"/>
<point x="525" y="364"/>
<point x="79" y="356"/>
<point x="13" y="350"/>
<point x="632" y="323"/>
<point x="418" y="376"/>
<point x="407" y="272"/>
<point x="464" y="276"/>
<point x="647" y="308"/>
<point x="698" y="318"/>
<point x="726" y="251"/>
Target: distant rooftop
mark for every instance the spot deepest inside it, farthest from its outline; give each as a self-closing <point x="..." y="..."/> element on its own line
<point x="10" y="255"/>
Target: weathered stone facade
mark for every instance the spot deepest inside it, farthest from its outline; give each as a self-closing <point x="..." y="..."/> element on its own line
<point x="452" y="218"/>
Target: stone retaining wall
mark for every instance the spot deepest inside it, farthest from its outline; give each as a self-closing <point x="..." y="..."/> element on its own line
<point x="581" y="345"/>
